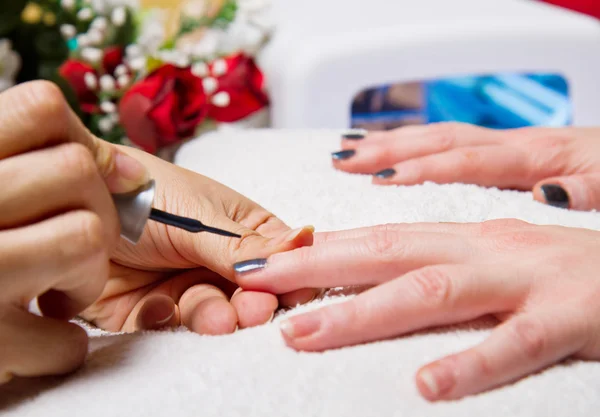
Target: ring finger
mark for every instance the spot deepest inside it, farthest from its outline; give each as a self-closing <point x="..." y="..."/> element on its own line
<point x="381" y="150"/>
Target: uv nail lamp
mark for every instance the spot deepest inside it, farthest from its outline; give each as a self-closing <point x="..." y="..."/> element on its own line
<point x="499" y="63"/>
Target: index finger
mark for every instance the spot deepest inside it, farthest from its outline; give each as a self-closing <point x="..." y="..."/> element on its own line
<point x="36" y="115"/>
<point x="375" y="258"/>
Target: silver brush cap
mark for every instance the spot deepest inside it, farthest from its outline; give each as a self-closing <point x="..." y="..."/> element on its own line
<point x="134" y="210"/>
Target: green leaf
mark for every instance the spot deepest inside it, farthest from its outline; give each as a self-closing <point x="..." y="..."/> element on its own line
<point x="10" y="15"/>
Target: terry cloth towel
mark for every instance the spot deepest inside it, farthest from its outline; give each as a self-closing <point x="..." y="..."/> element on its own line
<point x="252" y="372"/>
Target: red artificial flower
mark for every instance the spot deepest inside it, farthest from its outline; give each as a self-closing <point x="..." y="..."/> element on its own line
<point x="74" y="72"/>
<point x="164" y="108"/>
<point x="243" y="82"/>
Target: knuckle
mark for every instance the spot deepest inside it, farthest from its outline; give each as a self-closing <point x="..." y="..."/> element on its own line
<point x="433" y="286"/>
<point x="45" y="100"/>
<point x="519" y="240"/>
<point x="387" y="228"/>
<point x="444" y="134"/>
<point x="384" y="245"/>
<point x="491" y="227"/>
<point x="482" y="363"/>
<point x="76" y="160"/>
<point x="529" y="334"/>
<point x="89" y="236"/>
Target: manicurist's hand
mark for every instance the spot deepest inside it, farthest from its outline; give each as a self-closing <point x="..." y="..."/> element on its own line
<point x="540" y="282"/>
<point x="59" y="241"/>
<point x="58" y="227"/>
<point x="173" y="277"/>
<point x="561" y="166"/>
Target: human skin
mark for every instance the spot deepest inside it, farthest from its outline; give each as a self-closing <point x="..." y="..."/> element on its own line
<point x="59" y="241"/>
<point x="561" y="166"/>
<point x="540" y="283"/>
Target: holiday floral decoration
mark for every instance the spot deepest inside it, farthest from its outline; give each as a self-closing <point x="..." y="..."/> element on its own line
<point x="141" y="74"/>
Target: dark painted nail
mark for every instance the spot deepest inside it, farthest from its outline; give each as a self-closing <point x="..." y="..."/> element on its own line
<point x="555" y="195"/>
<point x="348" y="153"/>
<point x="386" y="173"/>
<point x="251" y="265"/>
<point x="353" y="136"/>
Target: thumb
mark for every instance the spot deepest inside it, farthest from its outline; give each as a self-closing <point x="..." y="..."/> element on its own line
<point x="577" y="192"/>
<point x="121" y="172"/>
<point x="220" y="254"/>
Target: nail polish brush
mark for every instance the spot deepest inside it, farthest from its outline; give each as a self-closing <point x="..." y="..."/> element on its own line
<point x="135" y="209"/>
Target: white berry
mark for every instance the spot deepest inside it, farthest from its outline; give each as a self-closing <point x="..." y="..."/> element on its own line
<point x="120" y="70"/>
<point x="210" y="85"/>
<point x="108" y="107"/>
<point x="133" y="51"/>
<point x="123" y="80"/>
<point x="67" y="4"/>
<point x="95" y="36"/>
<point x="92" y="55"/>
<point x="107" y="83"/>
<point x="119" y="16"/>
<point x="219" y="67"/>
<point x="83" y="40"/>
<point x="138" y="64"/>
<point x="105" y="125"/>
<point x="90" y="80"/>
<point x="200" y="69"/>
<point x="68" y="31"/>
<point x="100" y="23"/>
<point x="221" y="99"/>
<point x="85" y="14"/>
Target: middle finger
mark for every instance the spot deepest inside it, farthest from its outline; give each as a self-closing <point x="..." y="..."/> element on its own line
<point x="54" y="180"/>
<point x="378" y="257"/>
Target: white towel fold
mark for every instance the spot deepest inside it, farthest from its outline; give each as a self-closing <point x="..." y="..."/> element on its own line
<point x="252" y="373"/>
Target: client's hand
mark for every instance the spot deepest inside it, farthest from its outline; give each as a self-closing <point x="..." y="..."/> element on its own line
<point x="540" y="282"/>
<point x="59" y="241"/>
<point x="561" y="166"/>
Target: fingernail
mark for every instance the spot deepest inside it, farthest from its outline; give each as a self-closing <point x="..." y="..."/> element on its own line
<point x="301" y="326"/>
<point x="271" y="318"/>
<point x="386" y="173"/>
<point x="156" y="315"/>
<point x="166" y="319"/>
<point x="252" y="265"/>
<point x="131" y="173"/>
<point x="341" y="155"/>
<point x="354" y="135"/>
<point x="555" y="195"/>
<point x="437" y="379"/>
<point x="295" y="233"/>
<point x="292" y="235"/>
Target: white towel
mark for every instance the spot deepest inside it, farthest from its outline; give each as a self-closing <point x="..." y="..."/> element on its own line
<point x="252" y="373"/>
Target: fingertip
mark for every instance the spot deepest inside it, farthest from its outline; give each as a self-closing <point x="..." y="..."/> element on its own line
<point x="436" y="381"/>
<point x="157" y="312"/>
<point x="299" y="297"/>
<point x="297" y="238"/>
<point x="213" y="316"/>
<point x="426" y="385"/>
<point x="554" y="194"/>
<point x="254" y="308"/>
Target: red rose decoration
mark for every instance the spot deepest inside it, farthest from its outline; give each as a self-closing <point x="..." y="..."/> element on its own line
<point x="164" y="108"/>
<point x="74" y="72"/>
<point x="243" y="84"/>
